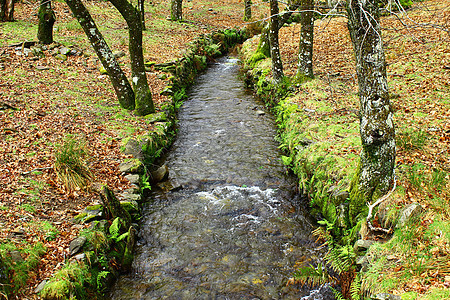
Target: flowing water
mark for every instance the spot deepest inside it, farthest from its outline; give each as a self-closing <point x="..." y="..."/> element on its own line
<point x="233" y="231"/>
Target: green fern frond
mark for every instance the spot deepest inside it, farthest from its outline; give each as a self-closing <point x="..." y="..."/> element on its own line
<point x="341" y="258"/>
<point x="121" y="237"/>
<point x="355" y="288"/>
<point x="313" y="275"/>
<point x="114" y="229"/>
<point x="338" y="295"/>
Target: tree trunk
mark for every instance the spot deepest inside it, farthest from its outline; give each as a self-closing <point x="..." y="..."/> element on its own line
<point x="176" y="10"/>
<point x="375" y="174"/>
<point x="6" y="10"/>
<point x="118" y="78"/>
<point x="142" y="11"/>
<point x="144" y="102"/>
<point x="263" y="50"/>
<point x="305" y="52"/>
<point x="277" y="64"/>
<point x="46" y="21"/>
<point x="247" y="10"/>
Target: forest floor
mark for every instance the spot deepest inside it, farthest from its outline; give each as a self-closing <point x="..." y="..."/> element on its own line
<point x="45" y="102"/>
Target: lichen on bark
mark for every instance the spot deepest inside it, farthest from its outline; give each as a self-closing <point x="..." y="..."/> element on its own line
<point x="376" y="171"/>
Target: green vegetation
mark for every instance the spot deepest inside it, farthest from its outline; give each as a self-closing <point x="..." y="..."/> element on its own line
<point x="70" y="165"/>
<point x="20" y="259"/>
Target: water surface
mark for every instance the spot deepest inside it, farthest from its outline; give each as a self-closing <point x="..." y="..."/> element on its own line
<point x="233" y="230"/>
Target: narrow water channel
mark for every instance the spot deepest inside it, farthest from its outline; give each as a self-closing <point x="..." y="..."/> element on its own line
<point x="233" y="230"/>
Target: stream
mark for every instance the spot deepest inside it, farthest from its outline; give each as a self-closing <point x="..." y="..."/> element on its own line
<point x="235" y="229"/>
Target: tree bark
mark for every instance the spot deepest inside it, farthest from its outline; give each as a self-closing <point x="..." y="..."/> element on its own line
<point x="46" y="21"/>
<point x="277" y="64"/>
<point x="144" y="102"/>
<point x="176" y="10"/>
<point x="118" y="78"/>
<point x="247" y="10"/>
<point x="376" y="171"/>
<point x="6" y="10"/>
<point x="142" y="12"/>
<point x="305" y="52"/>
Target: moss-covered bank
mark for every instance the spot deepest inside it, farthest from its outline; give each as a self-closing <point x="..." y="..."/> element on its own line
<point x="319" y="132"/>
<point x="321" y="144"/>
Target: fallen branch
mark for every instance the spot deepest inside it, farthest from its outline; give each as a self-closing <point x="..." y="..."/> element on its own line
<point x="5" y="106"/>
<point x="35" y="170"/>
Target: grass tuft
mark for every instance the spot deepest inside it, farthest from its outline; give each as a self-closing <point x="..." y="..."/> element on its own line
<point x="70" y="165"/>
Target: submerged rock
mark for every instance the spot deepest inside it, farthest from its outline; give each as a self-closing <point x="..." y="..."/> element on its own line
<point x="161" y="174"/>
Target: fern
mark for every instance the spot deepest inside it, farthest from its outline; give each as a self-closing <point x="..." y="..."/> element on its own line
<point x="338" y="295"/>
<point x="114" y="229"/>
<point x="341" y="258"/>
<point x="313" y="275"/>
<point x="355" y="288"/>
<point x="121" y="237"/>
<point x="101" y="278"/>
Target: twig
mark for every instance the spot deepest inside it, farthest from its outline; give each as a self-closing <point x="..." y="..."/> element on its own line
<point x="37" y="169"/>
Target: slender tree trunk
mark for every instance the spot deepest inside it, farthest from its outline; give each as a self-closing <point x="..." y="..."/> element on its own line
<point x="375" y="174"/>
<point x="118" y="78"/>
<point x="46" y="21"/>
<point x="176" y="10"/>
<point x="305" y="52"/>
<point x="247" y="10"/>
<point x="144" y="102"/>
<point x="6" y="10"/>
<point x="142" y="11"/>
<point x="263" y="49"/>
<point x="277" y="64"/>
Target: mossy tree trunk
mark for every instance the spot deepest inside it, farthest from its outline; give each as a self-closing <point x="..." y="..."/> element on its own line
<point x="144" y="102"/>
<point x="375" y="174"/>
<point x="6" y="10"/>
<point x="176" y="10"/>
<point x="277" y="64"/>
<point x="305" y="52"/>
<point x="118" y="78"/>
<point x="263" y="50"/>
<point x="46" y="21"/>
<point x="247" y="10"/>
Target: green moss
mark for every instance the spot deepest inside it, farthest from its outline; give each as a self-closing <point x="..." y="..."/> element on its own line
<point x="69" y="282"/>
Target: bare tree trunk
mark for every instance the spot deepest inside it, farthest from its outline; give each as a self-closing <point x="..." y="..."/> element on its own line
<point x="247" y="10"/>
<point x="118" y="78"/>
<point x="142" y="11"/>
<point x="46" y="21"/>
<point x="176" y="10"/>
<point x="277" y="64"/>
<point x="6" y="10"/>
<point x="375" y="174"/>
<point x="144" y="102"/>
<point x="305" y="52"/>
